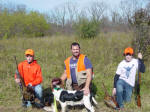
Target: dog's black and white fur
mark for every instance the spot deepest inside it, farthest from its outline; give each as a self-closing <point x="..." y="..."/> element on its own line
<point x="72" y="97"/>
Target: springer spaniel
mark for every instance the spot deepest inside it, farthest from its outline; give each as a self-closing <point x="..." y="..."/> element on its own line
<point x="72" y="98"/>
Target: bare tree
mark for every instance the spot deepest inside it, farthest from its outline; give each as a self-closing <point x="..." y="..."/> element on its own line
<point x="58" y="16"/>
<point x="115" y="16"/>
<point x="148" y="7"/>
<point x="72" y="12"/>
<point x="97" y="10"/>
<point x="128" y="9"/>
<point x="21" y="8"/>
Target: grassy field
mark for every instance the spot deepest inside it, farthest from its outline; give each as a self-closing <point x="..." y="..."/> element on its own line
<point x="105" y="52"/>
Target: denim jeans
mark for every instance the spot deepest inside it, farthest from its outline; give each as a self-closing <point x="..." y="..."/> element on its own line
<point x="38" y="91"/>
<point x="38" y="94"/>
<point x="123" y="92"/>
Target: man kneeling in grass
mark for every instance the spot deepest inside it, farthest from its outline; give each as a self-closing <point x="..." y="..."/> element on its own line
<point x="124" y="79"/>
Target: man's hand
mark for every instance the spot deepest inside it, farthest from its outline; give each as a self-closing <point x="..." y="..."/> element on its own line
<point x="30" y="88"/>
<point x="140" y="55"/>
<point x="29" y="85"/>
<point x="114" y="92"/>
<point x="17" y="80"/>
<point x="86" y="90"/>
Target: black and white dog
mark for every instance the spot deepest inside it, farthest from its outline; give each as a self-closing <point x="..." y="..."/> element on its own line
<point x="73" y="98"/>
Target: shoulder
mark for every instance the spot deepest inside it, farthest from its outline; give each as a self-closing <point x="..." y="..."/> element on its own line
<point x="122" y="62"/>
<point x="67" y="59"/>
<point x="82" y="56"/>
<point x="22" y="63"/>
<point x="86" y="58"/>
<point x="36" y="63"/>
<point x="134" y="60"/>
<point x="87" y="62"/>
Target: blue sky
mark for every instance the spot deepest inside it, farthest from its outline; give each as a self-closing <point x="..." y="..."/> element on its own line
<point x="47" y="5"/>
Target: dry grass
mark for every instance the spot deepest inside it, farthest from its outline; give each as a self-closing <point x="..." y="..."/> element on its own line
<point x="105" y="52"/>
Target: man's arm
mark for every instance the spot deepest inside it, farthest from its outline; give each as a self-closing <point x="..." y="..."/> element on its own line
<point x="88" y="66"/>
<point x="88" y="81"/>
<point x="115" y="83"/>
<point x="116" y="79"/>
<point x="141" y="63"/>
<point x="63" y="77"/>
<point x="141" y="66"/>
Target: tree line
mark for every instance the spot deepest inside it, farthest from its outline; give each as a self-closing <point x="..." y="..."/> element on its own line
<point x="17" y="21"/>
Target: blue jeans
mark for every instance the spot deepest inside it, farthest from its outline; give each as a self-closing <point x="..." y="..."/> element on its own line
<point x="38" y="91"/>
<point x="38" y="94"/>
<point x="123" y="92"/>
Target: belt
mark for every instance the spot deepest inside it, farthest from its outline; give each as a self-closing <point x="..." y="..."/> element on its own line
<point x="75" y="86"/>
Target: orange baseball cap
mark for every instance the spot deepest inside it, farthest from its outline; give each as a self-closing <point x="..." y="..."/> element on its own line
<point x="128" y="50"/>
<point x="29" y="52"/>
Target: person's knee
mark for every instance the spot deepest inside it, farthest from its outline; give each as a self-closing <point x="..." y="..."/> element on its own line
<point x="119" y="89"/>
<point x="119" y="86"/>
<point x="128" y="97"/>
<point x="128" y="94"/>
<point x="38" y="90"/>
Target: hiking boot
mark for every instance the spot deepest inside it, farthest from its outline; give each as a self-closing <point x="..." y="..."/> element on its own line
<point x="119" y="109"/>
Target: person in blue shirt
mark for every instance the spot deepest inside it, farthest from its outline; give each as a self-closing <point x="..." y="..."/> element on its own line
<point x="78" y="70"/>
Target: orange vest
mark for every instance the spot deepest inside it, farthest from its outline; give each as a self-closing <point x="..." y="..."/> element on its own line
<point x="80" y="65"/>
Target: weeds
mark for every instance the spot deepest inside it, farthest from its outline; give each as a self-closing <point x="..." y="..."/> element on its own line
<point x="105" y="52"/>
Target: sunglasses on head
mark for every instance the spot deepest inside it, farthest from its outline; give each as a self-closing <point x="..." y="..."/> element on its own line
<point x="29" y="56"/>
<point x="128" y="54"/>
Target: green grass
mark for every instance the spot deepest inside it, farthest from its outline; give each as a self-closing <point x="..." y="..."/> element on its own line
<point x="105" y="52"/>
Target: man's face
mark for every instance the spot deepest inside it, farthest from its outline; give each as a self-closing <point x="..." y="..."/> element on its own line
<point x="128" y="57"/>
<point x="29" y="58"/>
<point x="75" y="50"/>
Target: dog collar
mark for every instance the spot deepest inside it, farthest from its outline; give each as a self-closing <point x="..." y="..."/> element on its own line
<point x="57" y="88"/>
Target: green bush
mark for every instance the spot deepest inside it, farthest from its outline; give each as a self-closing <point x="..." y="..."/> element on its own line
<point x="20" y="23"/>
<point x="35" y="24"/>
<point x="86" y="28"/>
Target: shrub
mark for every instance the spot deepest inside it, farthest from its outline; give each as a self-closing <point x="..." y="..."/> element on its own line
<point x="86" y="28"/>
<point x="22" y="24"/>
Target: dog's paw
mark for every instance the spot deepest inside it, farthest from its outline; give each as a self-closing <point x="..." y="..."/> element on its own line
<point x="84" y="110"/>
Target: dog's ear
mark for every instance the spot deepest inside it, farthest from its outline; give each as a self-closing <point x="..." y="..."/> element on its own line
<point x="54" y="82"/>
<point x="61" y="83"/>
<point x="51" y="86"/>
<point x="57" y="81"/>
